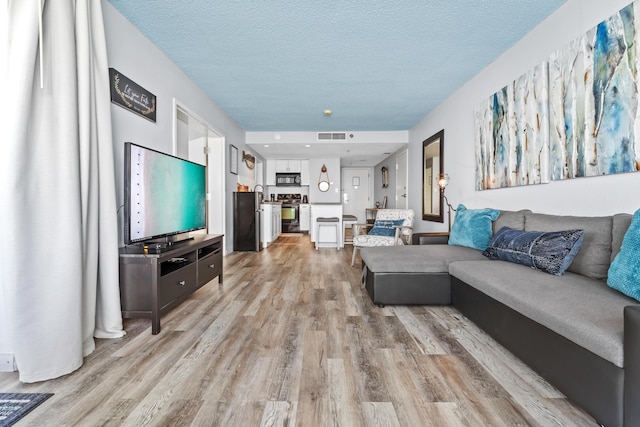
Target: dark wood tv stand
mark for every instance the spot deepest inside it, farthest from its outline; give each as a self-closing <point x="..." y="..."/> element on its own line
<point x="153" y="281"/>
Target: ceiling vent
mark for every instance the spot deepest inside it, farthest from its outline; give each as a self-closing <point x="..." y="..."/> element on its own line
<point x="332" y="136"/>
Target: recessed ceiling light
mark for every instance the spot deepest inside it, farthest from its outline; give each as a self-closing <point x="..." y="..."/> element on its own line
<point x="308" y="145"/>
<point x="266" y="145"/>
<point x="328" y="112"/>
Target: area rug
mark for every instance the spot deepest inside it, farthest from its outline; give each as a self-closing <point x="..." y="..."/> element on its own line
<point x="14" y="406"/>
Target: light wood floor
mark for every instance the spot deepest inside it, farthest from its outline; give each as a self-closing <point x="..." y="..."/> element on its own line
<point x="291" y="338"/>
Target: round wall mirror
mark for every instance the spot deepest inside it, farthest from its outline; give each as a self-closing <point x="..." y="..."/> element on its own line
<point x="323" y="182"/>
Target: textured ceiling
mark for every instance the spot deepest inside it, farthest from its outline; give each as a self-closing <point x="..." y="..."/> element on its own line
<point x="379" y="65"/>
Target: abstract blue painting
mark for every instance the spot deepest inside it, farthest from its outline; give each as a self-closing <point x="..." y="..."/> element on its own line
<point x="512" y="133"/>
<point x="594" y="115"/>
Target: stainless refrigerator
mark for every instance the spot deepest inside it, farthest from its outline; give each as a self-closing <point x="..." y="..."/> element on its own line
<point x="247" y="233"/>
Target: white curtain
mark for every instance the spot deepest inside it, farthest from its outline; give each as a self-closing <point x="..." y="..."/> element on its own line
<point x="59" y="240"/>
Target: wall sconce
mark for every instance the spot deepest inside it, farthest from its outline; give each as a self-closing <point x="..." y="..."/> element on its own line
<point x="443" y="181"/>
<point x="385" y="177"/>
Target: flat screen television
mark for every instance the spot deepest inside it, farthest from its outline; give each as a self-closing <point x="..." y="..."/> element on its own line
<point x="165" y="196"/>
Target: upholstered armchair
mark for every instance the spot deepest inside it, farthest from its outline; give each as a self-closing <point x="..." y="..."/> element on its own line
<point x="392" y="227"/>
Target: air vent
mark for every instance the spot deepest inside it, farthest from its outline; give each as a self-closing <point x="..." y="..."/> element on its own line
<point x="332" y="136"/>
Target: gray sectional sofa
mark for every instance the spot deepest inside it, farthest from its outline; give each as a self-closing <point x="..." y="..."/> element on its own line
<point x="575" y="331"/>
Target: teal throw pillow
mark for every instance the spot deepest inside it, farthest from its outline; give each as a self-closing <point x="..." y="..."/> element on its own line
<point x="551" y="251"/>
<point x="473" y="227"/>
<point x="385" y="227"/>
<point x="624" y="272"/>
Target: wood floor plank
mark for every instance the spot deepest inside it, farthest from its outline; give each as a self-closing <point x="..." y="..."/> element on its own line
<point x="277" y="414"/>
<point x="313" y="398"/>
<point x="291" y="338"/>
<point x="344" y="404"/>
<point x="419" y="331"/>
<point x="411" y="408"/>
<point x="381" y="414"/>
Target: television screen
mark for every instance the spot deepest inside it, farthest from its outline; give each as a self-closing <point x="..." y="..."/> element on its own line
<point x="164" y="195"/>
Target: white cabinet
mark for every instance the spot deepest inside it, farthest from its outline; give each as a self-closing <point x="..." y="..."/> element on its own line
<point x="276" y="222"/>
<point x="304" y="172"/>
<point x="271" y="223"/>
<point x="287" y="165"/>
<point x="305" y="211"/>
<point x="284" y="166"/>
<point x="270" y="179"/>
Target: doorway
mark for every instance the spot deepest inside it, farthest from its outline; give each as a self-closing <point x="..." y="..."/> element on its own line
<point x="356" y="190"/>
<point x="195" y="140"/>
<point x="402" y="201"/>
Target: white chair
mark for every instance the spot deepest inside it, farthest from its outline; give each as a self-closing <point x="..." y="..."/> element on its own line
<point x="401" y="233"/>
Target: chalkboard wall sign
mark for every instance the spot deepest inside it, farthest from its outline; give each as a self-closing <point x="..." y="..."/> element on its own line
<point x="129" y="95"/>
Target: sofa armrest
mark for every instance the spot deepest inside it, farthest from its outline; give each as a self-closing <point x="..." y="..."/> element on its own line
<point x="631" y="365"/>
<point x="432" y="238"/>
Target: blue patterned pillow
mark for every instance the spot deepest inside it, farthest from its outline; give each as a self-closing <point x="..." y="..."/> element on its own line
<point x="624" y="272"/>
<point x="551" y="252"/>
<point x="385" y="227"/>
<point x="472" y="227"/>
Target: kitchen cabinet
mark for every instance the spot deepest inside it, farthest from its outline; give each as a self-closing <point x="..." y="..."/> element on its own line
<point x="284" y="166"/>
<point x="287" y="165"/>
<point x="271" y="222"/>
<point x="270" y="178"/>
<point x="276" y="223"/>
<point x="305" y="211"/>
<point x="304" y="172"/>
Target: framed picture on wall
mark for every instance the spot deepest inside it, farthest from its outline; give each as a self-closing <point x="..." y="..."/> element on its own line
<point x="233" y="159"/>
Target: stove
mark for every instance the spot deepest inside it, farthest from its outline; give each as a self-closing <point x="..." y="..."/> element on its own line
<point x="290" y="199"/>
<point x="290" y="212"/>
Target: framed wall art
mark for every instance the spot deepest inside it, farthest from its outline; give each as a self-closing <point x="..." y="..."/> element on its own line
<point x="233" y="159"/>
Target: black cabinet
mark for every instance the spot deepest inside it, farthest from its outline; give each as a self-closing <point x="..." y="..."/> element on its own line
<point x="153" y="283"/>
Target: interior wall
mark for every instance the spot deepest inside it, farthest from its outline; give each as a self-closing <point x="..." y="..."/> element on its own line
<point x="390" y="191"/>
<point x="582" y="196"/>
<point x="247" y="176"/>
<point x="136" y="57"/>
<point x="335" y="178"/>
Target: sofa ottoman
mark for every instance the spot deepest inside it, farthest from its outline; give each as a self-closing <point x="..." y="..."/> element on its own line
<point x="412" y="274"/>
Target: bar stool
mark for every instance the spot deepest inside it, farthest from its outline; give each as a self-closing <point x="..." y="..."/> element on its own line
<point x="325" y="221"/>
<point x="348" y="221"/>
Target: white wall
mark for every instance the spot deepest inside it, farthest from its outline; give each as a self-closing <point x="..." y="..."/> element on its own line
<point x="335" y="178"/>
<point x="583" y="196"/>
<point x="390" y="191"/>
<point x="136" y="57"/>
<point x="247" y="176"/>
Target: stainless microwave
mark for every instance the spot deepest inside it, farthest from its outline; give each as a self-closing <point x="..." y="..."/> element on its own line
<point x="288" y="179"/>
